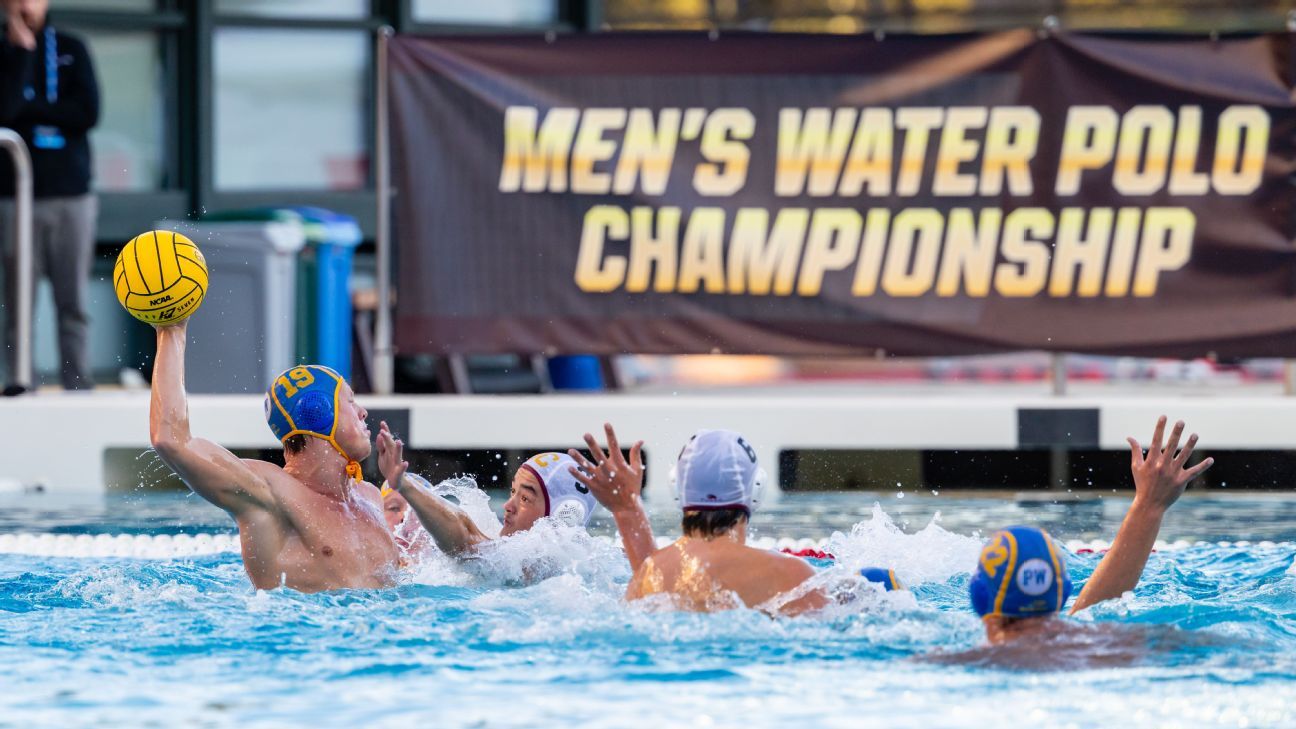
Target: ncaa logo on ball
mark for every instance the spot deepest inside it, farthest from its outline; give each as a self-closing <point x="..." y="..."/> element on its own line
<point x="1035" y="577"/>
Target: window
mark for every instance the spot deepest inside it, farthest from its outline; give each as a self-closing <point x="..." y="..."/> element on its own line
<point x="290" y="109"/>
<point x="334" y="9"/>
<point x="486" y="12"/>
<point x="130" y="140"/>
<point x="112" y="5"/>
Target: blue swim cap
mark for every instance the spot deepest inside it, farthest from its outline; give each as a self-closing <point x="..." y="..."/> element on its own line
<point x="305" y="401"/>
<point x="1021" y="574"/>
<point x="882" y="576"/>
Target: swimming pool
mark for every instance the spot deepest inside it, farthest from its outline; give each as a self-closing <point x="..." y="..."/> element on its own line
<point x="126" y="642"/>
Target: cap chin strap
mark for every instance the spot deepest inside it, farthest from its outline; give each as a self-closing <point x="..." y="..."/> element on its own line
<point x="353" y="470"/>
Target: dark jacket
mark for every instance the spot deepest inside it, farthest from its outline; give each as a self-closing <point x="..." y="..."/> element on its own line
<point x="25" y="105"/>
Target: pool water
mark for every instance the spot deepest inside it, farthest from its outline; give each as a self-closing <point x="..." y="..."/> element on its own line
<point x="187" y="642"/>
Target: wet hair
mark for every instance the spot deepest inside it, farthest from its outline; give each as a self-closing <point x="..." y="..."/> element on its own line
<point x="711" y="522"/>
<point x="294" y="444"/>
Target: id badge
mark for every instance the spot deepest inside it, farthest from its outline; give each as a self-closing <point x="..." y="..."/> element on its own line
<point x="46" y="137"/>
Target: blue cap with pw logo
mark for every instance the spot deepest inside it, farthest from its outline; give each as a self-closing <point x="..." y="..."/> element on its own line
<point x="1021" y="574"/>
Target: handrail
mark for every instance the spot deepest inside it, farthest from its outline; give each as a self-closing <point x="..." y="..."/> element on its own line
<point x="382" y="359"/>
<point x="22" y="232"/>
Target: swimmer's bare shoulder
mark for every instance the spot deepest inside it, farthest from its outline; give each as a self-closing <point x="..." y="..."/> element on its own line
<point x="648" y="578"/>
<point x="769" y="575"/>
<point x="757" y="576"/>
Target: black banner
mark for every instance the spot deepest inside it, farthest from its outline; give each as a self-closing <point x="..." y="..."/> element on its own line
<point x="786" y="194"/>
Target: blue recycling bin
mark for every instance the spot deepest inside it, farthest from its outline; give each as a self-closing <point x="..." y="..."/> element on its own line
<point x="323" y="321"/>
<point x="333" y="237"/>
<point x="576" y="372"/>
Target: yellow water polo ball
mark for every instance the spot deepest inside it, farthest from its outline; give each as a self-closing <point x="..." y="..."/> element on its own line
<point x="160" y="277"/>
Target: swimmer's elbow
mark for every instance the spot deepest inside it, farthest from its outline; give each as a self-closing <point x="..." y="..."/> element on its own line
<point x="168" y="436"/>
<point x="167" y="445"/>
<point x="172" y="447"/>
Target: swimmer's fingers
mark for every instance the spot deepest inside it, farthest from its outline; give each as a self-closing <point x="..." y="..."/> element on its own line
<point x="636" y="456"/>
<point x="1186" y="452"/>
<point x="614" y="448"/>
<point x="384" y="435"/>
<point x="1157" y="435"/>
<point x="1199" y="469"/>
<point x="579" y="475"/>
<point x="1173" y="445"/>
<point x="581" y="460"/>
<point x="1136" y="453"/>
<point x="594" y="449"/>
<point x="397" y="475"/>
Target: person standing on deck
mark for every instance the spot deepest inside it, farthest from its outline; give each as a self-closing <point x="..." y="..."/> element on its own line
<point x="49" y="95"/>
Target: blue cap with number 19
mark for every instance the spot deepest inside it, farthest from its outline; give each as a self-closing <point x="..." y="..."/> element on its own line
<point x="305" y="401"/>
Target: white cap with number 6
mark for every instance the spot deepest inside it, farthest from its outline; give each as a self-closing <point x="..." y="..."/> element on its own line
<point x="718" y="470"/>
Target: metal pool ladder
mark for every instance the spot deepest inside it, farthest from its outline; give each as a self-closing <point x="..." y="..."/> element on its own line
<point x="22" y="231"/>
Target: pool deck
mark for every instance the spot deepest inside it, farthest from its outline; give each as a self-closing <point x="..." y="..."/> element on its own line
<point x="59" y="439"/>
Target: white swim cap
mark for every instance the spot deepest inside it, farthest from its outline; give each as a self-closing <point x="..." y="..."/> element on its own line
<point x="717" y="470"/>
<point x="566" y="499"/>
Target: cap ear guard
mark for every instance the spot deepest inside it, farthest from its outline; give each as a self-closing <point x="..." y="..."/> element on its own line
<point x="313" y="410"/>
<point x="570" y="512"/>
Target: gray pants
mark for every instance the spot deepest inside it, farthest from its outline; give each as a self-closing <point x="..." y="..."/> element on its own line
<point x="63" y="240"/>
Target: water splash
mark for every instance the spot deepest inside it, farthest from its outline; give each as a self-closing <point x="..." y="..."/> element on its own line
<point x="547" y="549"/>
<point x="931" y="554"/>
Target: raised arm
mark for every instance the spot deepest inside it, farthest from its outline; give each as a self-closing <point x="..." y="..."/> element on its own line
<point x="1159" y="480"/>
<point x="451" y="528"/>
<point x="617" y="484"/>
<point x="208" y="469"/>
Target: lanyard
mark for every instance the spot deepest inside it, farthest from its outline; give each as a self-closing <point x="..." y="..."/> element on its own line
<point x="51" y="68"/>
<point x="51" y="65"/>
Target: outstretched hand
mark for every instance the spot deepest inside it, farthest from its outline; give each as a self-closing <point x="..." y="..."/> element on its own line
<point x="1159" y="480"/>
<point x="1159" y="476"/>
<point x="391" y="452"/>
<point x="613" y="480"/>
